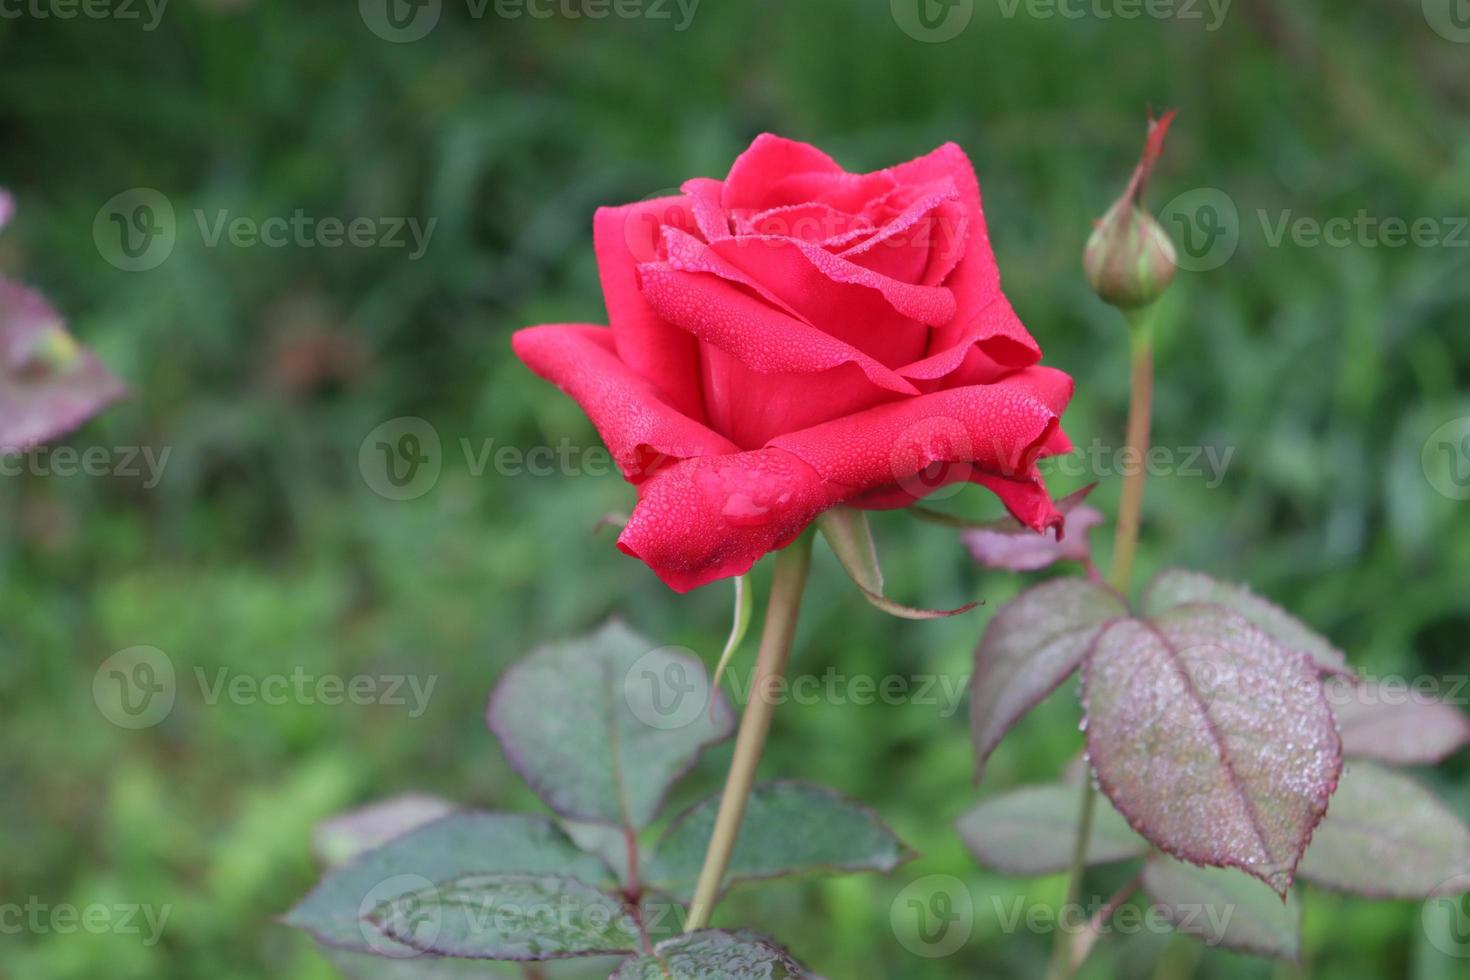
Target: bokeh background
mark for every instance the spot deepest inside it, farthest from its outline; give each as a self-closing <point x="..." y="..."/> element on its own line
<point x="264" y="550"/>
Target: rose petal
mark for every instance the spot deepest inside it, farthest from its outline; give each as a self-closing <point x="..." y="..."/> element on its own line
<point x="714" y="517"/>
<point x="995" y="331"/>
<point x="642" y="431"/>
<point x="794" y="269"/>
<point x="851" y="314"/>
<point x="769" y="160"/>
<point x="999" y="428"/>
<point x="764" y="371"/>
<point x="665" y="355"/>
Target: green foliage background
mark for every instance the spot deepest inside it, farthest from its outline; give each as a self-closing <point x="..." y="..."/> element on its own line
<point x="263" y="550"/>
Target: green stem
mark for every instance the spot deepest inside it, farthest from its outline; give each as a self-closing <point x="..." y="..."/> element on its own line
<point x="1065" y="959"/>
<point x="1130" y="511"/>
<point x="1061" y="957"/>
<point x="770" y="664"/>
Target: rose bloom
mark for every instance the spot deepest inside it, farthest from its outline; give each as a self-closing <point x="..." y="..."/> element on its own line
<point x="796" y="337"/>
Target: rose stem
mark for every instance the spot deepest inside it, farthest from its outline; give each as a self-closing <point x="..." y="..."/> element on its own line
<point x="770" y="664"/>
<point x="1140" y="404"/>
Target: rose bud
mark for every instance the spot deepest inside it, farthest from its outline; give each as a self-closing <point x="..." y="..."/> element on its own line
<point x="1129" y="259"/>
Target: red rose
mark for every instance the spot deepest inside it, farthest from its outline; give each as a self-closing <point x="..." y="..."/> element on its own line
<point x="796" y="337"/>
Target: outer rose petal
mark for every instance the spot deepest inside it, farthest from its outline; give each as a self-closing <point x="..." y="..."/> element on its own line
<point x="642" y="431"/>
<point x="1000" y="428"/>
<point x="716" y="516"/>
<point x="624" y="237"/>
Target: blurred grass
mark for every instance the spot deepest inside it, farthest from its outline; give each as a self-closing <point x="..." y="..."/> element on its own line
<point x="263" y="550"/>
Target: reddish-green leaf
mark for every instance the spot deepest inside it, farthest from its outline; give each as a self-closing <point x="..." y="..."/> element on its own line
<point x="1033" y="644"/>
<point x="847" y="532"/>
<point x="1223" y="907"/>
<point x="347" y="835"/>
<point x="1214" y="740"/>
<point x="1176" y="586"/>
<point x="48" y="384"/>
<point x="1386" y="836"/>
<point x="714" y="955"/>
<point x="1395" y="724"/>
<point x="1030" y="831"/>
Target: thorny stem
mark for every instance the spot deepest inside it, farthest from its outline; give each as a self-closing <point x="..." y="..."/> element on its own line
<point x="755" y="723"/>
<point x="1065" y="959"/>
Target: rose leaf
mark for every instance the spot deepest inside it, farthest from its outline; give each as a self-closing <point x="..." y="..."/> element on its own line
<point x="1031" y="831"/>
<point x="1386" y="836"/>
<point x="503" y="843"/>
<point x="1401" y="728"/>
<point x="790" y="828"/>
<point x="1176" y="586"/>
<point x="1213" y="739"/>
<point x="601" y="726"/>
<point x="508" y="917"/>
<point x="1034" y="642"/>
<point x="1223" y="907"/>
<point x="711" y="954"/>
